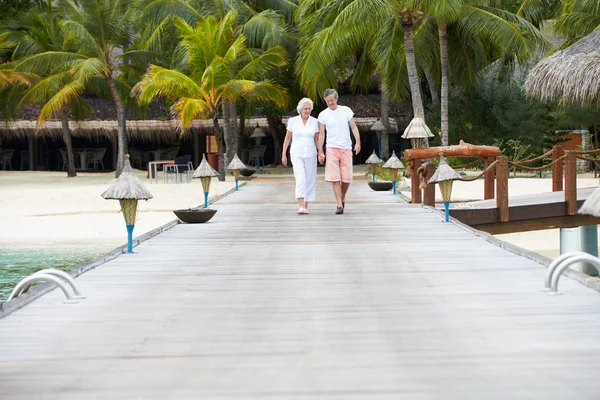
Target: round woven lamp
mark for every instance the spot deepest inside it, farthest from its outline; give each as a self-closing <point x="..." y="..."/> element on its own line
<point x="394" y="164"/>
<point x="373" y="160"/>
<point x="205" y="172"/>
<point x="417" y="130"/>
<point x="444" y="176"/>
<point x="236" y="165"/>
<point x="128" y="189"/>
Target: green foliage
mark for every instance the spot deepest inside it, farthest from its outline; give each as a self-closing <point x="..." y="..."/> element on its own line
<point x="493" y="112"/>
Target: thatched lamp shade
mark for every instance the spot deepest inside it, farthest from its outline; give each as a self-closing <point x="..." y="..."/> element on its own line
<point x="571" y="76"/>
<point x="236" y="165"/>
<point x="205" y="172"/>
<point x="373" y="160"/>
<point x="394" y="164"/>
<point x="592" y="205"/>
<point x="444" y="176"/>
<point x="258" y="133"/>
<point x="128" y="189"/>
<point x="417" y="130"/>
<point x="378" y="126"/>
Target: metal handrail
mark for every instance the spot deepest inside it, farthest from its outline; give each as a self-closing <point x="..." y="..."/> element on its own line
<point x="68" y="278"/>
<point x="42" y="278"/>
<point x="555" y="263"/>
<point x="566" y="263"/>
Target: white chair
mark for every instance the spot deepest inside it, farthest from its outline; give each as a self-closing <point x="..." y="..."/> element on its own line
<point x="97" y="158"/>
<point x="5" y="157"/>
<point x="252" y="155"/>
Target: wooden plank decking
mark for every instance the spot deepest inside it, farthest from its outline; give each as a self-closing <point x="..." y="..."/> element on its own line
<point x="383" y="302"/>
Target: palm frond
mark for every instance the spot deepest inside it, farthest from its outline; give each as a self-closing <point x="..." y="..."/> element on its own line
<point x="268" y="60"/>
<point x="265" y="30"/>
<point x="65" y="95"/>
<point x="167" y="83"/>
<point x="188" y="109"/>
<point x="45" y="88"/>
<point x="257" y="91"/>
<point x="48" y="61"/>
<point x="80" y="39"/>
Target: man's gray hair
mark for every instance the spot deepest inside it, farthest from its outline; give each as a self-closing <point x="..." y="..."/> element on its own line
<point x="302" y="102"/>
<point x="329" y="92"/>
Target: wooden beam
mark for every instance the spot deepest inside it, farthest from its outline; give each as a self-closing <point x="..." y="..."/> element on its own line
<point x="557" y="169"/>
<point x="571" y="183"/>
<point x="429" y="191"/>
<point x="565" y="221"/>
<point x="489" y="180"/>
<point x="463" y="149"/>
<point x="415" y="191"/>
<point x="502" y="188"/>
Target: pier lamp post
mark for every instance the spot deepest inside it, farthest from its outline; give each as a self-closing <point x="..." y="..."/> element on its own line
<point x="373" y="160"/>
<point x="205" y="172"/>
<point x="417" y="130"/>
<point x="394" y="164"/>
<point x="258" y="134"/>
<point x="444" y="176"/>
<point x="236" y="165"/>
<point x="379" y="129"/>
<point x="128" y="189"/>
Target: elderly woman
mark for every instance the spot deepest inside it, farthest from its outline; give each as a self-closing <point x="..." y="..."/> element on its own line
<point x="302" y="131"/>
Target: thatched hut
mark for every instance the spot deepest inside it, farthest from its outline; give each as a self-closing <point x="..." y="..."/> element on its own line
<point x="571" y="75"/>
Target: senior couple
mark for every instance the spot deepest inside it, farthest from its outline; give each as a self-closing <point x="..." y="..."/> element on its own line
<point x="307" y="135"/>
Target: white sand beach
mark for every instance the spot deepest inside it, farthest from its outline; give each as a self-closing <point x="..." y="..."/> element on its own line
<point x="39" y="209"/>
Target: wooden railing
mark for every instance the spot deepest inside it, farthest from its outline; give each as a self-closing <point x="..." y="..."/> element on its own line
<point x="496" y="173"/>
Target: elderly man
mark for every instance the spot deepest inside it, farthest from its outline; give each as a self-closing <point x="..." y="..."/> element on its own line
<point x="337" y="121"/>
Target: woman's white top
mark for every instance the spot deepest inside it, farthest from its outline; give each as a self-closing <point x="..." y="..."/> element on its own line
<point x="303" y="136"/>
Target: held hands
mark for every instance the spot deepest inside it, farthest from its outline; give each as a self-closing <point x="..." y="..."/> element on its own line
<point x="321" y="157"/>
<point x="357" y="148"/>
<point x="284" y="160"/>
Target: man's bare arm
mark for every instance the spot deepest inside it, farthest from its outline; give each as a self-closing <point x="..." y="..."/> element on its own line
<point x="321" y="142"/>
<point x="356" y="134"/>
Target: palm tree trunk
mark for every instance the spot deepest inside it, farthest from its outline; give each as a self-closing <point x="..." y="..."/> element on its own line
<point x="64" y="121"/>
<point x="411" y="65"/>
<point x="121" y="125"/>
<point x="274" y="123"/>
<point x="445" y="87"/>
<point x="385" y="119"/>
<point x="220" y="152"/>
<point x="227" y="131"/>
<point x="235" y="129"/>
<point x="433" y="89"/>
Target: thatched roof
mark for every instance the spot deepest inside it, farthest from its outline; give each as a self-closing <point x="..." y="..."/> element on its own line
<point x="571" y="76"/>
<point x="127" y="186"/>
<point x="393" y="162"/>
<point x="236" y="163"/>
<point x="373" y="159"/>
<point x="592" y="205"/>
<point x="443" y="173"/>
<point x="204" y="169"/>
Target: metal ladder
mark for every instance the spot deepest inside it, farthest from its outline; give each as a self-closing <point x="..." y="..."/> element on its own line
<point x="60" y="278"/>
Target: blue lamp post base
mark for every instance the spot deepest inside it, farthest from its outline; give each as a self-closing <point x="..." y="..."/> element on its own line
<point x="394" y="186"/>
<point x="130" y="238"/>
<point x="447" y="207"/>
<point x="205" y="199"/>
<point x="236" y="185"/>
<point x="373" y="177"/>
<point x="257" y="156"/>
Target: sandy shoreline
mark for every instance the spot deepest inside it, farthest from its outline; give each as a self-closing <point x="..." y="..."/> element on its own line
<point x="46" y="209"/>
<point x="39" y="209"/>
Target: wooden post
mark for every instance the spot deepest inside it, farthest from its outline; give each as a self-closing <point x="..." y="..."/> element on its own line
<point x="489" y="180"/>
<point x="429" y="191"/>
<point x="502" y="188"/>
<point x="30" y="146"/>
<point x="571" y="183"/>
<point x="415" y="192"/>
<point x="196" y="150"/>
<point x="557" y="169"/>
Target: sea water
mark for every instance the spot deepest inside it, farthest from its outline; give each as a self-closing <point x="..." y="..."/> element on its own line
<point x="18" y="263"/>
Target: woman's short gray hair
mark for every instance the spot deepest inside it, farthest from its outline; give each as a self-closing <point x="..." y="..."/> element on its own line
<point x="302" y="102"/>
<point x="329" y="92"/>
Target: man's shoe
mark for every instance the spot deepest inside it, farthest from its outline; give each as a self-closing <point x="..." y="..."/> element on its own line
<point x="339" y="210"/>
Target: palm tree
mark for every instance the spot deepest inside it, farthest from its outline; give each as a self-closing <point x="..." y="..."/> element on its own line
<point x="36" y="32"/>
<point x="577" y="18"/>
<point x="96" y="32"/>
<point x="262" y="22"/>
<point x="333" y="30"/>
<point x="213" y="66"/>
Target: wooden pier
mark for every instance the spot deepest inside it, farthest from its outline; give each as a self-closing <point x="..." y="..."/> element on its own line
<point x="383" y="302"/>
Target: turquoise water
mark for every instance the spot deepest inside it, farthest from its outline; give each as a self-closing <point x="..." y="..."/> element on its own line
<point x="17" y="263"/>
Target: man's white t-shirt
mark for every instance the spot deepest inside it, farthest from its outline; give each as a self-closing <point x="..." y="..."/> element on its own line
<point x="303" y="136"/>
<point x="336" y="123"/>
